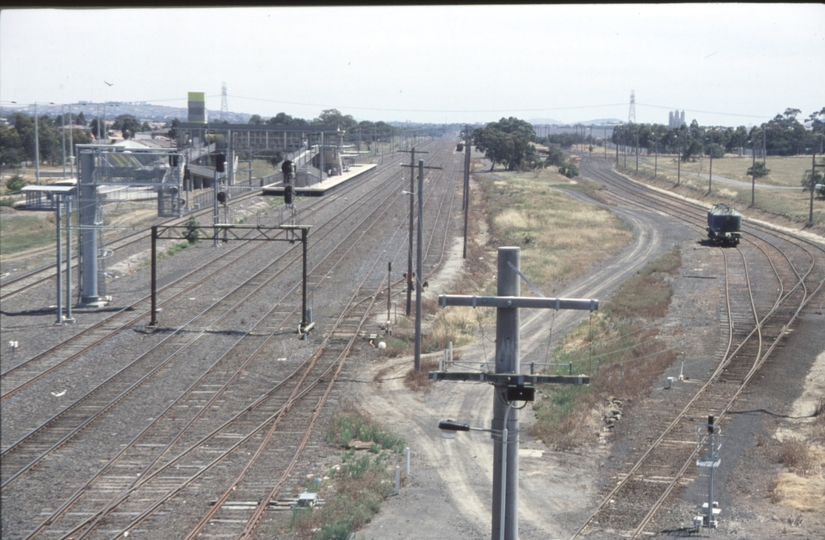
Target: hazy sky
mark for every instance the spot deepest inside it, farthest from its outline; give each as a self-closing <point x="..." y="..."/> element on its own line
<point x="725" y="64"/>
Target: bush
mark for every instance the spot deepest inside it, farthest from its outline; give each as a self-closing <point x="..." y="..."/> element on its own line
<point x="758" y="170"/>
<point x="16" y="183"/>
<point x="569" y="170"/>
<point x="192" y="234"/>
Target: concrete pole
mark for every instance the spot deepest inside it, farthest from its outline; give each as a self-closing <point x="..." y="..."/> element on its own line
<point x="58" y="273"/>
<point x="71" y="143"/>
<point x="36" y="149"/>
<point x="153" y="317"/>
<point x="410" y="250"/>
<point x="69" y="318"/>
<point x="466" y="187"/>
<point x="710" y="171"/>
<point x="813" y="183"/>
<point x="507" y="361"/>
<point x="63" y="137"/>
<point x="215" y="212"/>
<point x="418" y="257"/>
<point x="753" y="175"/>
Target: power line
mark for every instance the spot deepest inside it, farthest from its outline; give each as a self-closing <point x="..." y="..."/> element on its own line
<point x="428" y="110"/>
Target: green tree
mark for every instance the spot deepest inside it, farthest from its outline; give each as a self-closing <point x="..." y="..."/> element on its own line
<point x="94" y="123"/>
<point x="569" y="170"/>
<point x="127" y="124"/>
<point x="173" y="128"/>
<point x="11" y="147"/>
<point x="758" y="170"/>
<point x="15" y="183"/>
<point x="555" y="157"/>
<point x="334" y="117"/>
<point x="79" y="136"/>
<point x="508" y="141"/>
<point x="256" y="120"/>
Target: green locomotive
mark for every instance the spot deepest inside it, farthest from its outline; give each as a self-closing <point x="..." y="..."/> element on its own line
<point x="724" y="225"/>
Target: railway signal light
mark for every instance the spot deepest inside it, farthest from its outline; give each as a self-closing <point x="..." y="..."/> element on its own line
<point x="288" y="194"/>
<point x="220" y="163"/>
<point x="222" y="197"/>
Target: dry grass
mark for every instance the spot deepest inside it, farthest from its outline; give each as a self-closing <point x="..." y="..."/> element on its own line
<point x="419" y="381"/>
<point x="806" y="494"/>
<point x="555" y="232"/>
<point x="798" y="456"/>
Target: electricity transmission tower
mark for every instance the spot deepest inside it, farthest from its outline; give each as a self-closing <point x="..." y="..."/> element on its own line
<point x="224" y="104"/>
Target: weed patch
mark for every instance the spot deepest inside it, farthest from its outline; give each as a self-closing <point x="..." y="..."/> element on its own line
<point x="418" y="381"/>
<point x="353" y="490"/>
<point x="618" y="348"/>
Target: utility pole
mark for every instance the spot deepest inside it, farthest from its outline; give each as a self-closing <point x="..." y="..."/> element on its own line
<point x="466" y="202"/>
<point x="710" y="171"/>
<point x="510" y="385"/>
<point x="412" y="214"/>
<point x="753" y="172"/>
<point x="679" y="162"/>
<point x="418" y="269"/>
<point x="655" y="155"/>
<point x="813" y="182"/>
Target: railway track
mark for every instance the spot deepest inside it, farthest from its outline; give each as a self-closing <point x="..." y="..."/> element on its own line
<point x="755" y="321"/>
<point x="18" y="377"/>
<point x="143" y="483"/>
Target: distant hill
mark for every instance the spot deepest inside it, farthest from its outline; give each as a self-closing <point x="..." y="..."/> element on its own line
<point x="141" y="110"/>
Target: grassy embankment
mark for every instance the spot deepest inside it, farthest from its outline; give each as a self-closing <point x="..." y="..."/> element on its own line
<point x="793" y="204"/>
<point x="556" y="234"/>
<point x="618" y="347"/>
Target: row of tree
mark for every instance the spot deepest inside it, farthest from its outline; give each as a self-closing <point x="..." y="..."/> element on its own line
<point x="783" y="135"/>
<point x="17" y="139"/>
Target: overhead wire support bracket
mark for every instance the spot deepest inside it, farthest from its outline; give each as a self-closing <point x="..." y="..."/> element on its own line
<point x="591" y="304"/>
<point x="508" y="378"/>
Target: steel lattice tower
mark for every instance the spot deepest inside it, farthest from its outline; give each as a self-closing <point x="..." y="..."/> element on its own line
<point x="631" y="118"/>
<point x="224" y="104"/>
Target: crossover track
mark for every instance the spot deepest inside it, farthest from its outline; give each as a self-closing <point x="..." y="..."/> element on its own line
<point x="789" y="271"/>
<point x="236" y="424"/>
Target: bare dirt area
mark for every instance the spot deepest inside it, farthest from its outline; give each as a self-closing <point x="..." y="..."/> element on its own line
<point x="449" y="490"/>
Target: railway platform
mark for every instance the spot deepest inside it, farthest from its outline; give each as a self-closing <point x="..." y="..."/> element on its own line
<point x="328" y="185"/>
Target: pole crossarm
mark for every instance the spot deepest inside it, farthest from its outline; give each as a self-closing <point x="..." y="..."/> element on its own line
<point x="424" y="167"/>
<point x="230" y="232"/>
<point x="508" y="379"/>
<point x="591" y="304"/>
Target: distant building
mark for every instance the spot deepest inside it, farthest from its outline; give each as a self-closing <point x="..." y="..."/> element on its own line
<point x="675" y="119"/>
